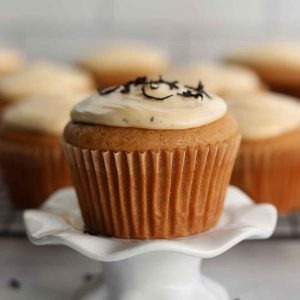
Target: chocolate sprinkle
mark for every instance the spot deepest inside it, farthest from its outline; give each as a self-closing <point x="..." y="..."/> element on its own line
<point x="191" y="92"/>
<point x="151" y="119"/>
<point x="88" y="277"/>
<point x="197" y="91"/>
<point x="107" y="90"/>
<point x="172" y="84"/>
<point x="138" y="81"/>
<point x="14" y="283"/>
<point x="152" y="97"/>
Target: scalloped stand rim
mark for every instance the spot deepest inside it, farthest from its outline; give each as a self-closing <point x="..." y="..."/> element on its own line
<point x="150" y="269"/>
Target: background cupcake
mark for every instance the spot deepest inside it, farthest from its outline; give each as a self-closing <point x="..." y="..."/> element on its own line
<point x="120" y="63"/>
<point x="10" y="61"/>
<point x="218" y="78"/>
<point x="268" y="163"/>
<point x="31" y="159"/>
<point x="151" y="159"/>
<point x="43" y="78"/>
<point x="278" y="65"/>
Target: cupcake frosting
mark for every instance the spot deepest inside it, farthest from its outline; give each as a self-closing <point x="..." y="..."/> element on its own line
<point x="149" y="104"/>
<point x="10" y="61"/>
<point x="47" y="115"/>
<point x="274" y="53"/>
<point x="264" y="115"/>
<point x="127" y="57"/>
<point x="217" y="78"/>
<point x="43" y="78"/>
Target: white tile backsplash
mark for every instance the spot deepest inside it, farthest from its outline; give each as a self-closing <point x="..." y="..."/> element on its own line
<point x="190" y="29"/>
<point x="52" y="11"/>
<point x="155" y="11"/>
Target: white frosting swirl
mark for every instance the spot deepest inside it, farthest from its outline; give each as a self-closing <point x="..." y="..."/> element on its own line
<point x="43" y="78"/>
<point x="10" y="61"/>
<point x="48" y="114"/>
<point x="217" y="78"/>
<point x="264" y="115"/>
<point x="135" y="109"/>
<point x="281" y="54"/>
<point x="120" y="58"/>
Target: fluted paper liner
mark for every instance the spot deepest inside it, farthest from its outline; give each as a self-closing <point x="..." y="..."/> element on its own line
<point x="33" y="172"/>
<point x="151" y="194"/>
<point x="269" y="175"/>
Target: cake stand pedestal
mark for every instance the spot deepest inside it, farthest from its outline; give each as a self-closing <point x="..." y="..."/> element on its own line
<point x="150" y="269"/>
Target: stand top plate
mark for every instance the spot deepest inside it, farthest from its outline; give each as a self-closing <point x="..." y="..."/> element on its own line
<point x="59" y="221"/>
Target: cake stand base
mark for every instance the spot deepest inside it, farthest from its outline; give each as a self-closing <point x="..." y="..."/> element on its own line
<point x="157" y="275"/>
<point x="150" y="269"/>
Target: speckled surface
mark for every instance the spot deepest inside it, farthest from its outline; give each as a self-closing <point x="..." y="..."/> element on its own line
<point x="253" y="270"/>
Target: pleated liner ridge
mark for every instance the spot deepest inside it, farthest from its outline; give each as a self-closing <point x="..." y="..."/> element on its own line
<point x="269" y="175"/>
<point x="33" y="172"/>
<point x="152" y="194"/>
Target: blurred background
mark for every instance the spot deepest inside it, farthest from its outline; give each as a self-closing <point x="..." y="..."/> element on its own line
<point x="188" y="29"/>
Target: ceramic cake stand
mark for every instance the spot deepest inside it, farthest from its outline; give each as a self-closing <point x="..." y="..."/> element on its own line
<point x="155" y="269"/>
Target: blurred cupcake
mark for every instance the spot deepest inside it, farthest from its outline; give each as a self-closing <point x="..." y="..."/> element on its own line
<point x="43" y="79"/>
<point x="268" y="163"/>
<point x="218" y="78"/>
<point x="118" y="64"/>
<point x="278" y="65"/>
<point x="31" y="158"/>
<point x="151" y="159"/>
<point x="10" y="61"/>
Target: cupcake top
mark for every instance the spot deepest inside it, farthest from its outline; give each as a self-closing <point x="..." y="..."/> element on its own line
<point x="218" y="78"/>
<point x="278" y="53"/>
<point x="126" y="58"/>
<point x="43" y="78"/>
<point x="150" y="104"/>
<point x="264" y="115"/>
<point x="10" y="61"/>
<point x="276" y="63"/>
<point x="48" y="115"/>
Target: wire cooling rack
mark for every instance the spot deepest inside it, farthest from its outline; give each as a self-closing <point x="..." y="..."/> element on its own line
<point x="11" y="222"/>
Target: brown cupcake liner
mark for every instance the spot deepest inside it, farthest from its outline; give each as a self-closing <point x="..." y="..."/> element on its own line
<point x="3" y="103"/>
<point x="32" y="172"/>
<point x="269" y="175"/>
<point x="289" y="90"/>
<point x="151" y="194"/>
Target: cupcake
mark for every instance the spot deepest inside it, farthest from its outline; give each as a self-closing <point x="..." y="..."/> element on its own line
<point x="218" y="78"/>
<point x="31" y="159"/>
<point x="10" y="62"/>
<point x="118" y="64"/>
<point x="151" y="159"/>
<point x="278" y="65"/>
<point x="268" y="162"/>
<point x="43" y="79"/>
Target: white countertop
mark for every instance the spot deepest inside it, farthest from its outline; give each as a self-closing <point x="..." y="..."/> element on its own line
<point x="256" y="270"/>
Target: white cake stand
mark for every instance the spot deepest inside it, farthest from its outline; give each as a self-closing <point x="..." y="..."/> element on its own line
<point x="154" y="269"/>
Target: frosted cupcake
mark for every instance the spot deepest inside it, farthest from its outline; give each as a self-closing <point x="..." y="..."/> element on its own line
<point x="151" y="159"/>
<point x="43" y="79"/>
<point x="10" y="61"/>
<point x="278" y="65"/>
<point x="220" y="79"/>
<point x="31" y="158"/>
<point x="118" y="64"/>
<point x="268" y="163"/>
